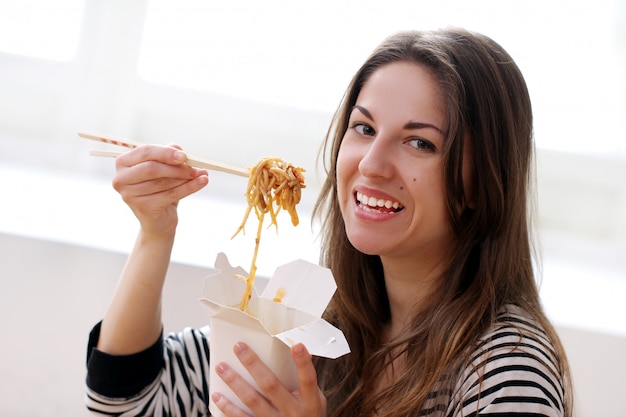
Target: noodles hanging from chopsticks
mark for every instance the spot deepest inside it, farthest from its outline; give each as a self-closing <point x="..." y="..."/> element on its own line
<point x="273" y="185"/>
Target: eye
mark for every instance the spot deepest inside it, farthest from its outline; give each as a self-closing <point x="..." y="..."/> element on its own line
<point x="421" y="144"/>
<point x="363" y="129"/>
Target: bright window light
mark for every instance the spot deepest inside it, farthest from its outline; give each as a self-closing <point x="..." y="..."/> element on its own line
<point x="280" y="51"/>
<point x="303" y="54"/>
<point x="40" y="28"/>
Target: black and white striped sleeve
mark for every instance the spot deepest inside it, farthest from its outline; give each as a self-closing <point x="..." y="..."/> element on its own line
<point x="168" y="379"/>
<point x="514" y="372"/>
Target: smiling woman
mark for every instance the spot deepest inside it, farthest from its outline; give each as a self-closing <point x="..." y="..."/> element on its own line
<point x="436" y="294"/>
<point x="396" y="131"/>
<point x="234" y="81"/>
<point x="438" y="301"/>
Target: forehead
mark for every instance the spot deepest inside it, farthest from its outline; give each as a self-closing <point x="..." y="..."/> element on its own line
<point x="404" y="91"/>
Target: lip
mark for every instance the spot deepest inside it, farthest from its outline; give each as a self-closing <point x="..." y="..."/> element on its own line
<point x="371" y="192"/>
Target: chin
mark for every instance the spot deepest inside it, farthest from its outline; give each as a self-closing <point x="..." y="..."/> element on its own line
<point x="365" y="245"/>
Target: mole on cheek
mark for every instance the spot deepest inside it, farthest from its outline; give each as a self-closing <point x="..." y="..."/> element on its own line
<point x="402" y="187"/>
<point x="414" y="179"/>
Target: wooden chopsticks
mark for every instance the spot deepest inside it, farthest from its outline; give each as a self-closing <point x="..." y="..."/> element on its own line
<point x="191" y="160"/>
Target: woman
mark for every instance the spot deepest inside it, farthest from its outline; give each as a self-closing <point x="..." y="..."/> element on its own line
<point x="426" y="228"/>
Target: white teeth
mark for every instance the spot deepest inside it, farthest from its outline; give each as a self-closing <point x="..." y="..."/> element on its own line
<point x="373" y="202"/>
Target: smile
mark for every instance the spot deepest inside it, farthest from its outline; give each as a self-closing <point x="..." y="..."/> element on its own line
<point x="377" y="205"/>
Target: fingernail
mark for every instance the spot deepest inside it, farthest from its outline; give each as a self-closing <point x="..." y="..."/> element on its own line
<point x="298" y="349"/>
<point x="203" y="179"/>
<point x="179" y="156"/>
<point x="221" y="368"/>
<point x="240" y="348"/>
<point x="216" y="397"/>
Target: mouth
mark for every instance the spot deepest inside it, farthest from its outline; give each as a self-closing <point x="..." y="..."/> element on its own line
<point x="377" y="205"/>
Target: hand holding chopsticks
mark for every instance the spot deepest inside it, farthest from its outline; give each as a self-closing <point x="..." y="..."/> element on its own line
<point x="191" y="160"/>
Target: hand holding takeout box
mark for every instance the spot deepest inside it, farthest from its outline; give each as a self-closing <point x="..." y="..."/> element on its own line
<point x="272" y="327"/>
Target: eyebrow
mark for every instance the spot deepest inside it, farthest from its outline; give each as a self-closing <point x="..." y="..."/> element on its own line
<point x="409" y="125"/>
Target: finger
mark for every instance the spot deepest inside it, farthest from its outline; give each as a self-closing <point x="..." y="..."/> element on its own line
<point x="248" y="395"/>
<point x="173" y="145"/>
<point x="155" y="195"/>
<point x="171" y="187"/>
<point x="227" y="407"/>
<point x="262" y="375"/>
<point x="161" y="153"/>
<point x="187" y="188"/>
<point x="152" y="170"/>
<point x="307" y="377"/>
<point x="148" y="163"/>
<point x="146" y="198"/>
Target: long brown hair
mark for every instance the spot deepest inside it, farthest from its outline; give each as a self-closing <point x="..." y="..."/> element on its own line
<point x="492" y="262"/>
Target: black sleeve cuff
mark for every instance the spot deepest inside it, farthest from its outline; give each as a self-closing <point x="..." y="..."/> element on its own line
<point x="122" y="376"/>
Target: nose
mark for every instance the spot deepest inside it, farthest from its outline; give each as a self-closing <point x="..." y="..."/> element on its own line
<point x="377" y="160"/>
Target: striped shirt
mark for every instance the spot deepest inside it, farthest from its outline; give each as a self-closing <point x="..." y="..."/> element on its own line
<point x="513" y="372"/>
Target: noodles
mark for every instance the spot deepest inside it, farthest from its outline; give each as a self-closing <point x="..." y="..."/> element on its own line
<point x="280" y="294"/>
<point x="273" y="185"/>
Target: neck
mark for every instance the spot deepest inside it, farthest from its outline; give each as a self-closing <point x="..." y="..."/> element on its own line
<point x="410" y="287"/>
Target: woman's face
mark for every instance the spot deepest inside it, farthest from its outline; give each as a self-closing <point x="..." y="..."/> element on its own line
<point x="390" y="179"/>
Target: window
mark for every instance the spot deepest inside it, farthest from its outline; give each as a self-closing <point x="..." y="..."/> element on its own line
<point x="303" y="54"/>
<point x="41" y="28"/>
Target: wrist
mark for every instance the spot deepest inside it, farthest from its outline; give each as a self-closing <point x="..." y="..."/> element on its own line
<point x="154" y="233"/>
<point x="156" y="242"/>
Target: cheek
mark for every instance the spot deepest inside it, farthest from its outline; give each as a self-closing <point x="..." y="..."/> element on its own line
<point x="343" y="173"/>
<point x="428" y="188"/>
<point x="345" y="168"/>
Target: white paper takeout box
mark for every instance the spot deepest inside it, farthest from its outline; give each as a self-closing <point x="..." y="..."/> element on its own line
<point x="273" y="327"/>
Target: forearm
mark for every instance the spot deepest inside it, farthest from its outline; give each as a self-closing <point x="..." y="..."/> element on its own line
<point x="132" y="321"/>
<point x="151" y="180"/>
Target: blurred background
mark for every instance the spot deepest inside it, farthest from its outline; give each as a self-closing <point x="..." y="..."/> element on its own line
<point x="235" y="81"/>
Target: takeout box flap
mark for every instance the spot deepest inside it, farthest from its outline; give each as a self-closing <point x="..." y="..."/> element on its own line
<point x="307" y="289"/>
<point x="234" y="316"/>
<point x="302" y="285"/>
<point x="305" y="286"/>
<point x="320" y="338"/>
<point x="222" y="287"/>
<point x="281" y="323"/>
<point x="264" y="316"/>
